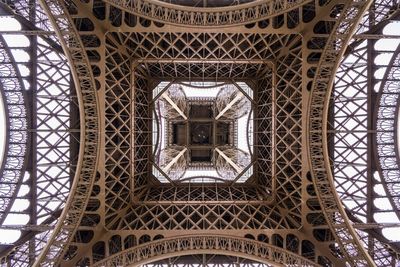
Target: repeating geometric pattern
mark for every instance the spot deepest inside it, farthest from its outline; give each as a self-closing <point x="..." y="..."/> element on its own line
<point x="349" y="136"/>
<point x="209" y="260"/>
<point x="386" y="129"/>
<point x="184" y="245"/>
<point x="354" y="104"/>
<point x="348" y="241"/>
<point x="229" y="16"/>
<point x="265" y="109"/>
<point x="148" y="50"/>
<point x="287" y="206"/>
<point x="288" y="131"/>
<point x="219" y="47"/>
<point x="13" y="163"/>
<point x="118" y="137"/>
<point x="79" y="198"/>
<point x="52" y="163"/>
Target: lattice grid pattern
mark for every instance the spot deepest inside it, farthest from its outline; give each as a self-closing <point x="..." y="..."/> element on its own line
<point x="140" y="55"/>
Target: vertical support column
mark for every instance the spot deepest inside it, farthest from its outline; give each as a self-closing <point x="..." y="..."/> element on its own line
<point x="32" y="109"/>
<point x="273" y="132"/>
<point x="132" y="126"/>
<point x="371" y="98"/>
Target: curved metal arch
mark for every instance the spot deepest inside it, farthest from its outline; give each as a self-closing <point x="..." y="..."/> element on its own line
<point x="250" y="117"/>
<point x="7" y="126"/>
<point x="336" y="217"/>
<point x="156" y="152"/>
<point x="205" y="244"/>
<point x="15" y="157"/>
<point x="190" y="85"/>
<point x="188" y="179"/>
<point x="89" y="137"/>
<point x="207" y="17"/>
<point x="386" y="123"/>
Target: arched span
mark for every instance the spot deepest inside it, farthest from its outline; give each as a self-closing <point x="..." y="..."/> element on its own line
<point x="206" y="17"/>
<point x="386" y="123"/>
<point x="205" y="244"/>
<point x="89" y="137"/>
<point x="348" y="240"/>
<point x="13" y="163"/>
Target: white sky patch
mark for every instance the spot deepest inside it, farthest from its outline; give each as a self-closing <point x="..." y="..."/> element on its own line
<point x="20" y="55"/>
<point x="394" y="233"/>
<point x="9" y="24"/>
<point x="387" y="44"/>
<point x="383" y="59"/>
<point x="9" y="236"/>
<point x="203" y="92"/>
<point x="194" y="173"/>
<point x="16" y="40"/>
<point x="392" y="28"/>
<point x="242" y="133"/>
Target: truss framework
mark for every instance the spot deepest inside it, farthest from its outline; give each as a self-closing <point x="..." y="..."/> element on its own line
<point x="346" y="237"/>
<point x="126" y="64"/>
<point x="51" y="163"/>
<point x="85" y="171"/>
<point x="143" y="140"/>
<point x="353" y="154"/>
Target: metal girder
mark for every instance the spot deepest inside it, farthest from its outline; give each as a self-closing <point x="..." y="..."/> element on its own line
<point x="346" y="236"/>
<point x="305" y="216"/>
<point x="85" y="173"/>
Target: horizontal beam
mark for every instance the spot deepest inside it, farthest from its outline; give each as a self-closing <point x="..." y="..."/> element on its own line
<point x="204" y="61"/>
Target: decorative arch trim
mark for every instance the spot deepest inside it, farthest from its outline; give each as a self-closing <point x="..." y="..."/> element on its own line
<point x="231" y="16"/>
<point x="205" y="244"/>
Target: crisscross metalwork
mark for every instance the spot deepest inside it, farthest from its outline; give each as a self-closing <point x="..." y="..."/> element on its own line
<point x="324" y="142"/>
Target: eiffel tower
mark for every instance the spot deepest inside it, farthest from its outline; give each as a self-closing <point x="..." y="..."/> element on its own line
<point x="199" y="133"/>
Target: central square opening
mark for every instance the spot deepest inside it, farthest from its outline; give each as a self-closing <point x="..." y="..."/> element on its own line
<point x="202" y="132"/>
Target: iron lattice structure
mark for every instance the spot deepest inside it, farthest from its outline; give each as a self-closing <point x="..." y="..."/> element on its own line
<point x="80" y="131"/>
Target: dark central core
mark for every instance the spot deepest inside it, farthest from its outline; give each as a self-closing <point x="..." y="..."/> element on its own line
<point x="200" y="133"/>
